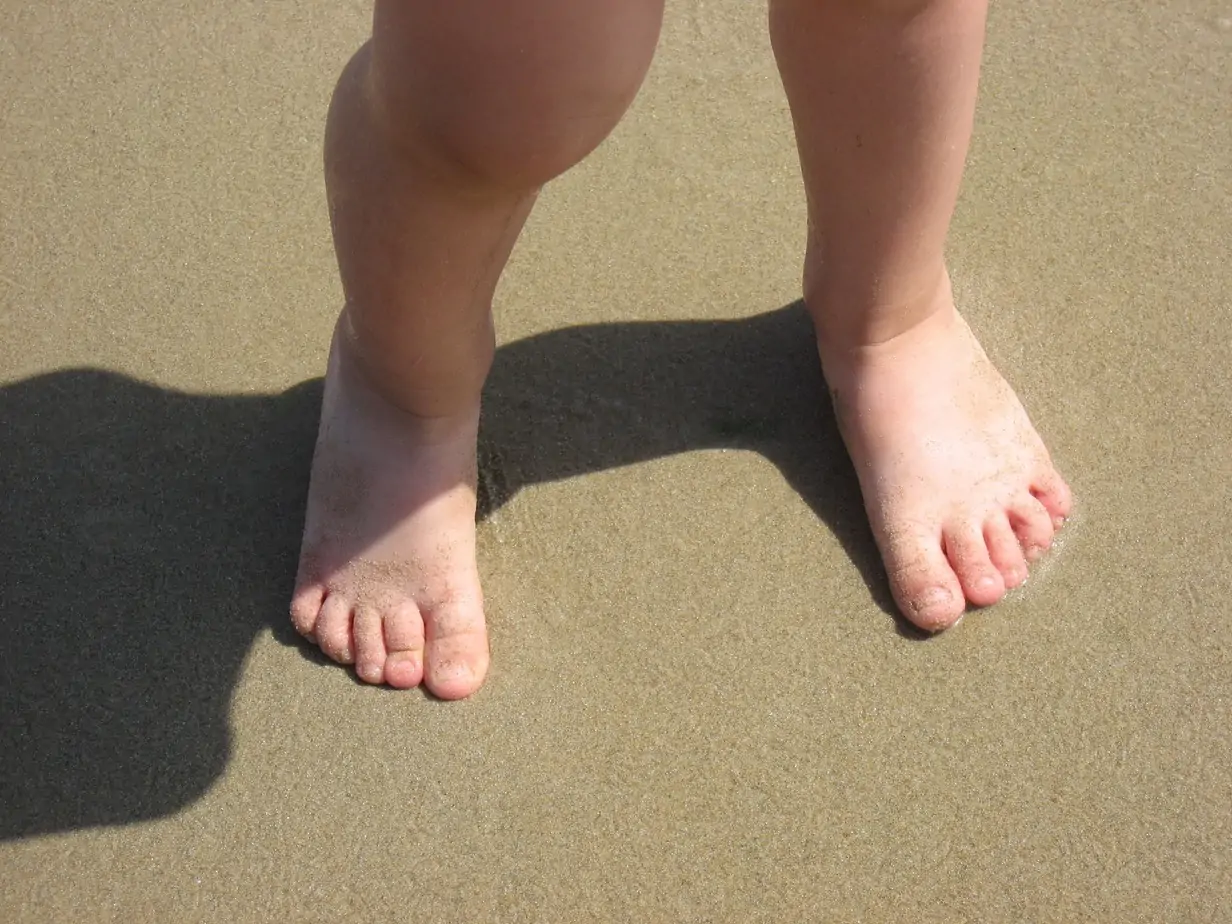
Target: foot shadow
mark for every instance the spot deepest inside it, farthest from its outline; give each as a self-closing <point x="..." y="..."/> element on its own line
<point x="148" y="536"/>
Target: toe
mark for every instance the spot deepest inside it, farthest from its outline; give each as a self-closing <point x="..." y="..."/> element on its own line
<point x="924" y="585"/>
<point x="404" y="642"/>
<point x="1053" y="493"/>
<point x="968" y="555"/>
<point x="369" y="637"/>
<point x="1032" y="525"/>
<point x="456" y="653"/>
<point x="333" y="629"/>
<point x="1004" y="551"/>
<point x="305" y="607"/>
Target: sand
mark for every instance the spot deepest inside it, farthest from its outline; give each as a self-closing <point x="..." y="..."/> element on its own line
<point x="701" y="707"/>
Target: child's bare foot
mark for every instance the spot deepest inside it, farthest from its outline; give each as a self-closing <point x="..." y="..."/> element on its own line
<point x="387" y="578"/>
<point x="959" y="488"/>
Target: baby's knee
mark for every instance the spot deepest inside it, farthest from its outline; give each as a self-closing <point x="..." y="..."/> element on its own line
<point x="512" y="103"/>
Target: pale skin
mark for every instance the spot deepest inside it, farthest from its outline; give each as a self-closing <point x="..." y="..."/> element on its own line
<point x="441" y="132"/>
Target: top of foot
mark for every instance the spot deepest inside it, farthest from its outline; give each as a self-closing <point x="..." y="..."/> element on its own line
<point x="960" y="491"/>
<point x="387" y="578"/>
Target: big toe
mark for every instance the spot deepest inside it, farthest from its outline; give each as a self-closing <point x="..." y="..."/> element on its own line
<point x="925" y="587"/>
<point x="456" y="654"/>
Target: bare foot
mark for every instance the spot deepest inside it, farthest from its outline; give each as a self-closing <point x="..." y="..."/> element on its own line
<point x="959" y="488"/>
<point x="387" y="578"/>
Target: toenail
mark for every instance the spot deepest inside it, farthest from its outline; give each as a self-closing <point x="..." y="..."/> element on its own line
<point x="931" y="598"/>
<point x="454" y="670"/>
<point x="369" y="672"/>
<point x="452" y="677"/>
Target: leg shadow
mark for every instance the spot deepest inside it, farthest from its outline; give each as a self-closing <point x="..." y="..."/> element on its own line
<point x="147" y="536"/>
<point x="594" y="397"/>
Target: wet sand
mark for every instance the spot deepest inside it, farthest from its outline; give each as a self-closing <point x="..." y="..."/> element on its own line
<point x="701" y="708"/>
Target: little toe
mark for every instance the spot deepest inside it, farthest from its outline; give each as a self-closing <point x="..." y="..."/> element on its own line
<point x="369" y="637"/>
<point x="1004" y="551"/>
<point x="968" y="555"/>
<point x="404" y="642"/>
<point x="333" y="629"/>
<point x="925" y="587"/>
<point x="456" y="653"/>
<point x="1032" y="525"/>
<point x="306" y="607"/>
<point x="1054" y="494"/>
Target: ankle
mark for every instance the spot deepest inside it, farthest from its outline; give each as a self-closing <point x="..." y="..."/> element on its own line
<point x="851" y="317"/>
<point x="439" y="395"/>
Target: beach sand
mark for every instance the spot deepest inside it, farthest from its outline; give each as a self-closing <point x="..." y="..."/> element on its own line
<point x="701" y="706"/>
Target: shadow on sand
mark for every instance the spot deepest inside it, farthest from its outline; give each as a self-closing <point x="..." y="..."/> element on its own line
<point x="147" y="536"/>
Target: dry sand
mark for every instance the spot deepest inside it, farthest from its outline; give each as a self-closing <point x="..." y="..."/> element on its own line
<point x="700" y="709"/>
